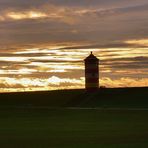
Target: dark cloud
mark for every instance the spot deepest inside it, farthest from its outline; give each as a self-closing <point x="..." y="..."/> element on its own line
<point x="70" y="2"/>
<point x="108" y="45"/>
<point x="135" y="63"/>
<point x="136" y="59"/>
<point x="79" y="23"/>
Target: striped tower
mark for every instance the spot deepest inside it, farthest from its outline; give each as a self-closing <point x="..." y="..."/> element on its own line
<point x="91" y="73"/>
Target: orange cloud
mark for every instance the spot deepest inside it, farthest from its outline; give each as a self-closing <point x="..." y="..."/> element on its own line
<point x="52" y="83"/>
<point x="124" y="82"/>
<point x="26" y="15"/>
<point x="60" y="14"/>
<point x="143" y="42"/>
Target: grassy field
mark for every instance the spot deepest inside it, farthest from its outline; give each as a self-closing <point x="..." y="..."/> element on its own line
<point x="73" y="128"/>
<point x="111" y="118"/>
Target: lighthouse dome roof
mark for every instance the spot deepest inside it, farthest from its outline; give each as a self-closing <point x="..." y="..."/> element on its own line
<point x="91" y="57"/>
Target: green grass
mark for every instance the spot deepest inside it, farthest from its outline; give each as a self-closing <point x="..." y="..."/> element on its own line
<point x="65" y="128"/>
<point x="43" y="120"/>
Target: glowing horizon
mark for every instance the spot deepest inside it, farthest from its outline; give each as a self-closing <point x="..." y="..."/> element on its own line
<point x="49" y="69"/>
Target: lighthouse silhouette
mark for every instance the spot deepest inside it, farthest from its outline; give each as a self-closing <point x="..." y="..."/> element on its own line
<point x="91" y="73"/>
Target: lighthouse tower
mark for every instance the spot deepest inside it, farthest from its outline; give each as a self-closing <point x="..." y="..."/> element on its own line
<point x="91" y="73"/>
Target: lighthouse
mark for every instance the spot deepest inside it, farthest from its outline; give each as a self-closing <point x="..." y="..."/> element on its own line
<point x="91" y="73"/>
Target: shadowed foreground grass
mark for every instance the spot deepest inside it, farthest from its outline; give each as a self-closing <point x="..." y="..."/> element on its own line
<point x="118" y="118"/>
<point x="67" y="128"/>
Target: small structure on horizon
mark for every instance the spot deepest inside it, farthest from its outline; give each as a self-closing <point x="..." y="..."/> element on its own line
<point x="91" y="73"/>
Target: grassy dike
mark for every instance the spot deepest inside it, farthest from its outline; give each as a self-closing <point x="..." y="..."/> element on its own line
<point x="111" y="118"/>
<point x="104" y="98"/>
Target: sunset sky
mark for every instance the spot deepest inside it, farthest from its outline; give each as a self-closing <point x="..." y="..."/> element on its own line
<point x="43" y="43"/>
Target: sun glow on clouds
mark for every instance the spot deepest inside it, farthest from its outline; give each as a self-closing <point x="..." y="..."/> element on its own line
<point x="18" y="72"/>
<point x="49" y="11"/>
<point x="14" y="59"/>
<point x="44" y="68"/>
<point x="53" y="83"/>
<point x="59" y="14"/>
<point x="138" y="42"/>
<point x="26" y="84"/>
<point x="55" y="67"/>
<point x="26" y="15"/>
<point x="124" y="82"/>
